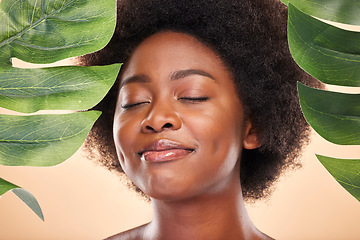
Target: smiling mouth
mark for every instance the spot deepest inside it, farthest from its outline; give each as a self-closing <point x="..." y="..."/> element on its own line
<point x="164" y="156"/>
<point x="164" y="150"/>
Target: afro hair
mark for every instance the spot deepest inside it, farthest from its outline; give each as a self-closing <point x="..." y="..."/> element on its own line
<point x="250" y="36"/>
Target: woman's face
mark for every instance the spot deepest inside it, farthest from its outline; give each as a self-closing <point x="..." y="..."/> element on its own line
<point x="179" y="126"/>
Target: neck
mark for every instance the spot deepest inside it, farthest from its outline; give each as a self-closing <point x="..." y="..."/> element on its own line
<point x="220" y="215"/>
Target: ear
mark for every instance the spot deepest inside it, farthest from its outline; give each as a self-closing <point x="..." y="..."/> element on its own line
<point x="250" y="138"/>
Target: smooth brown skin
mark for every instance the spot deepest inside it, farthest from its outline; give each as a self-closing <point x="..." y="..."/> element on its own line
<point x="196" y="196"/>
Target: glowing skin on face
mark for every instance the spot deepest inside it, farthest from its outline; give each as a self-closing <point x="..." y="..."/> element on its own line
<point x="175" y="88"/>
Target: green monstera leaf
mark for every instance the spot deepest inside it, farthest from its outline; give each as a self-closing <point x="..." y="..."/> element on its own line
<point x="332" y="55"/>
<point x="335" y="116"/>
<point x="342" y="11"/>
<point x="345" y="171"/>
<point x="57" y="88"/>
<point x="43" y="140"/>
<point x="328" y="53"/>
<point x="45" y="31"/>
<point x="24" y="195"/>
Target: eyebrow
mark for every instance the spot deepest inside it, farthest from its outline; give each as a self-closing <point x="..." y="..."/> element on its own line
<point x="184" y="73"/>
<point x="174" y="76"/>
<point x="135" y="79"/>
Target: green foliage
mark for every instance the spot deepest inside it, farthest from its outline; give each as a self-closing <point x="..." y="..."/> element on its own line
<point x="42" y="140"/>
<point x="334" y="116"/>
<point x="44" y="32"/>
<point x="342" y="11"/>
<point x="332" y="55"/>
<point x="6" y="186"/>
<point x="328" y="53"/>
<point x="29" y="200"/>
<point x="345" y="171"/>
<point x="50" y="30"/>
<point x="24" y="195"/>
<point x="65" y="88"/>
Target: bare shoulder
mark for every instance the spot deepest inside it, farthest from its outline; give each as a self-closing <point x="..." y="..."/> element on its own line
<point x="263" y="236"/>
<point x="132" y="234"/>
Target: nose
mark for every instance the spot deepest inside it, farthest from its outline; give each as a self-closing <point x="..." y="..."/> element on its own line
<point x="162" y="116"/>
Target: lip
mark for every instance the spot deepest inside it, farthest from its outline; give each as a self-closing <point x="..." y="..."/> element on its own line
<point x="164" y="150"/>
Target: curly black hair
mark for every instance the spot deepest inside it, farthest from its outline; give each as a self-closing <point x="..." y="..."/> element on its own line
<point x="251" y="39"/>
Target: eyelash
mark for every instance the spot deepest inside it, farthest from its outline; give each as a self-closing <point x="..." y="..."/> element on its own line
<point x="194" y="99"/>
<point x="131" y="105"/>
<point x="189" y="99"/>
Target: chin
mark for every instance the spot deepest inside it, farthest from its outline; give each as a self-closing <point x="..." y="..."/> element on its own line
<point x="170" y="192"/>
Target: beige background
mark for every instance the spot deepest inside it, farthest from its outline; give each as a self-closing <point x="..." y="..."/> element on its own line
<point x="81" y="200"/>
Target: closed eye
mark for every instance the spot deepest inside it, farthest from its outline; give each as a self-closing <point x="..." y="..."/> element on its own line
<point x="131" y="105"/>
<point x="194" y="99"/>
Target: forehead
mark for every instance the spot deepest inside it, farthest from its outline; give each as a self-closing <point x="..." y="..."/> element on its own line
<point x="166" y="52"/>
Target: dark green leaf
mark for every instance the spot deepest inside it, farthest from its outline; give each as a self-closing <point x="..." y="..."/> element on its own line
<point x="66" y="88"/>
<point x="29" y="200"/>
<point x="24" y="195"/>
<point x="345" y="171"/>
<point x="50" y="30"/>
<point x="342" y="11"/>
<point x="42" y="140"/>
<point x="6" y="186"/>
<point x="330" y="54"/>
<point x="335" y="116"/>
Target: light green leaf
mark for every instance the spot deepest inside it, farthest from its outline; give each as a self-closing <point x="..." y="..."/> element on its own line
<point x="66" y="88"/>
<point x="342" y="11"/>
<point x="335" y="116"/>
<point x="44" y="32"/>
<point x="50" y="30"/>
<point x="24" y="195"/>
<point x="42" y="140"/>
<point x="29" y="200"/>
<point x="345" y="171"/>
<point x="6" y="186"/>
<point x="330" y="54"/>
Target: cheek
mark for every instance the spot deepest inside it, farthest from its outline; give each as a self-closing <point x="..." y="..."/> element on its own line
<point x="124" y="139"/>
<point x="218" y="134"/>
<point x="216" y="125"/>
<point x="218" y="131"/>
